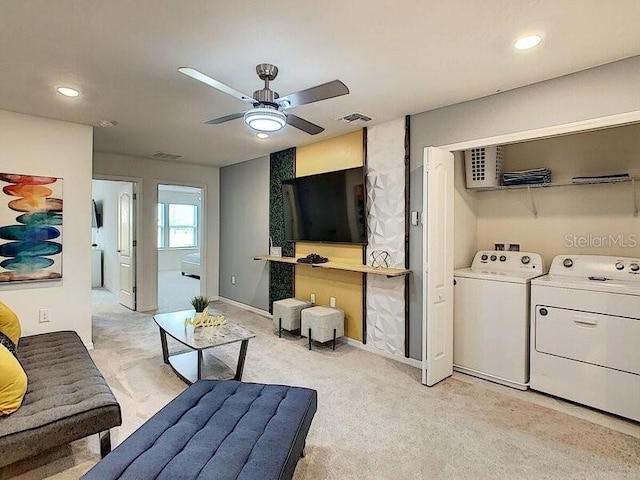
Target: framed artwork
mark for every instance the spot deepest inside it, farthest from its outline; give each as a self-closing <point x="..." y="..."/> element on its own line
<point x="30" y="228"/>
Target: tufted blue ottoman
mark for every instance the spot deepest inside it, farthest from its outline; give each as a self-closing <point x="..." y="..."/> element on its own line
<point x="216" y="429"/>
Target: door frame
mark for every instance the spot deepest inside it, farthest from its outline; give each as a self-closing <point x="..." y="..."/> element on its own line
<point x="547" y="132"/>
<point x="202" y="230"/>
<point x="137" y="227"/>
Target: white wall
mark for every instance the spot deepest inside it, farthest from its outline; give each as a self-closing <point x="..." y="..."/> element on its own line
<point x="38" y="146"/>
<point x="596" y="210"/>
<point x="465" y="217"/>
<point x="169" y="259"/>
<point x="152" y="173"/>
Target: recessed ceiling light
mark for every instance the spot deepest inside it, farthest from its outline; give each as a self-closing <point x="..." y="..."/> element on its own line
<point x="262" y="135"/>
<point x="104" y="123"/>
<point x="527" y="42"/>
<point x="68" y="91"/>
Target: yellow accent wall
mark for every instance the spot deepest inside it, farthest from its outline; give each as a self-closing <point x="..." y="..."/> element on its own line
<point x="339" y="153"/>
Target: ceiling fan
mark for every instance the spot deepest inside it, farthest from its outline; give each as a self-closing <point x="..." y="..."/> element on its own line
<point x="269" y="111"/>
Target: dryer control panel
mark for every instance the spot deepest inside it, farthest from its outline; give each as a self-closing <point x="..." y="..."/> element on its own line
<point x="596" y="267"/>
<point x="507" y="261"/>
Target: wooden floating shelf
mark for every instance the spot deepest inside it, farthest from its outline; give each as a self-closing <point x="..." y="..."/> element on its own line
<point x="389" y="272"/>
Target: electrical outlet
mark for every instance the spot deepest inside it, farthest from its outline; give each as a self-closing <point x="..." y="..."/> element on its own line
<point x="275" y="251"/>
<point x="313" y="299"/>
<point x="514" y="247"/>
<point x="233" y="279"/>
<point x="332" y="302"/>
<point x="45" y="315"/>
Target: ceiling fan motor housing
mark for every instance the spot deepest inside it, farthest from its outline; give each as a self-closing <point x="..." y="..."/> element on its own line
<point x="266" y="96"/>
<point x="266" y="71"/>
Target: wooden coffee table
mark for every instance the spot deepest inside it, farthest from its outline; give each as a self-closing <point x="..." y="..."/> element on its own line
<point x="191" y="366"/>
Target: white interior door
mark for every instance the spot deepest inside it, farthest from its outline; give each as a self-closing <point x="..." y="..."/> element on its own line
<point x="437" y="294"/>
<point x="126" y="247"/>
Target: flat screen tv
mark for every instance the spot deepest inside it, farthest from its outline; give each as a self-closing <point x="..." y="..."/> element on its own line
<point x="329" y="207"/>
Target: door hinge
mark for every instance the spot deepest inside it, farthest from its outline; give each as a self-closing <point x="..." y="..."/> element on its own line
<point x="135" y="243"/>
<point x="135" y="196"/>
<point x="135" y="289"/>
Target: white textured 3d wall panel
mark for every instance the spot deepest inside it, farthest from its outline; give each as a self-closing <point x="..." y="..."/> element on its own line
<point x="386" y="231"/>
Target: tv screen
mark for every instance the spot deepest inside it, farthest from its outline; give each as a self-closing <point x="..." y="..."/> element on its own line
<point x="329" y="207"/>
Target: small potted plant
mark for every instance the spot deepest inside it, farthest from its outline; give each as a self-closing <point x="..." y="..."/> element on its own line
<point x="200" y="303"/>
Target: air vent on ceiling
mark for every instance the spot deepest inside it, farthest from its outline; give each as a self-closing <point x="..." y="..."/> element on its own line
<point x="166" y="156"/>
<point x="355" y="118"/>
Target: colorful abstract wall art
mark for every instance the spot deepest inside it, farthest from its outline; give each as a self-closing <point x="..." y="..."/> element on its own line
<point x="30" y="228"/>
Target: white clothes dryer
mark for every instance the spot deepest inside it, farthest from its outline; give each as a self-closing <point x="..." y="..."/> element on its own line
<point x="491" y="316"/>
<point x="585" y="332"/>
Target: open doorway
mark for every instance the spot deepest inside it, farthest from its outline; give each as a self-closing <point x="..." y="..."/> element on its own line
<point x="180" y="237"/>
<point x="114" y="242"/>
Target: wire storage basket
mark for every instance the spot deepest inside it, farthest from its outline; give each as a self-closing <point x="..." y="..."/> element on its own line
<point x="484" y="166"/>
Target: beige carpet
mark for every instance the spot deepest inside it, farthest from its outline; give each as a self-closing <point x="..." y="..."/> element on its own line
<point x="374" y="421"/>
<point x="175" y="290"/>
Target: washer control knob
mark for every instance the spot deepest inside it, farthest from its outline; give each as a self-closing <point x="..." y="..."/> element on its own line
<point x="484" y="257"/>
<point x="619" y="266"/>
<point x="567" y="262"/>
<point x="493" y="258"/>
<point x="503" y="258"/>
<point x="525" y="260"/>
<point x="634" y="267"/>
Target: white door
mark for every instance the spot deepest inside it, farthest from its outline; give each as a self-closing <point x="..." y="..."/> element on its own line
<point x="126" y="247"/>
<point x="437" y="290"/>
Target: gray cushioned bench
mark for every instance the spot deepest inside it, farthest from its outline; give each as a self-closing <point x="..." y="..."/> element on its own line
<point x="220" y="430"/>
<point x="67" y="398"/>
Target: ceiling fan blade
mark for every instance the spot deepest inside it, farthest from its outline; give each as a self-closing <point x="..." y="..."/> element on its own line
<point x="226" y="118"/>
<point x="314" y="94"/>
<point x="304" y="125"/>
<point x="201" y="77"/>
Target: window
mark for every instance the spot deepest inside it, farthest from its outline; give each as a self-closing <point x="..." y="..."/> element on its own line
<point x="183" y="222"/>
<point x="177" y="225"/>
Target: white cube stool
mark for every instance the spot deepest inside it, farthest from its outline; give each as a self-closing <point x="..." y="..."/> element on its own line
<point x="322" y="324"/>
<point x="286" y="314"/>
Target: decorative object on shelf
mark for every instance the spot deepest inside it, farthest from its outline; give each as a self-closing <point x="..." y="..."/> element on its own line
<point x="205" y="319"/>
<point x="313" y="258"/>
<point x="31" y="226"/>
<point x="200" y="303"/>
<point x="380" y="259"/>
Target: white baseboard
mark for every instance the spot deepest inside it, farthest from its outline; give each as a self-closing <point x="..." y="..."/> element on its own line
<point x="407" y="361"/>
<point x="89" y="345"/>
<point x="251" y="308"/>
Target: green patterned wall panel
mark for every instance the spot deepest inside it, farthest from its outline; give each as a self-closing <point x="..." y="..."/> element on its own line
<point x="281" y="275"/>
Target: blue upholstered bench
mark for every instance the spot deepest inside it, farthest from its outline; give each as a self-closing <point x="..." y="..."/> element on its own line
<point x="219" y="430"/>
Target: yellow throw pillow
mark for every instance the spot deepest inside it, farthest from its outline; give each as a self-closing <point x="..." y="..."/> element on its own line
<point x="13" y="382"/>
<point x="9" y="323"/>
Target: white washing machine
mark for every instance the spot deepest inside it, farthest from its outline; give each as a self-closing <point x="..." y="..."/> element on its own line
<point x="585" y="332"/>
<point x="491" y="316"/>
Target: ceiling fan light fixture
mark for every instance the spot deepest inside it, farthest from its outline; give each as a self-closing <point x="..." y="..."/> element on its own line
<point x="265" y="119"/>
